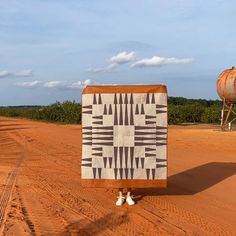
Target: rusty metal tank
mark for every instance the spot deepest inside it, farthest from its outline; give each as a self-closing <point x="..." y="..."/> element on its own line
<point x="226" y="85"/>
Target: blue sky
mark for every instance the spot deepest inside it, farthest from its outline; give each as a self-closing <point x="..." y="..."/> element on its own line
<point x="50" y="49"/>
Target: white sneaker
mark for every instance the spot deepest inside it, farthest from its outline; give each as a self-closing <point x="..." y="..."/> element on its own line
<point x="130" y="201"/>
<point x="120" y="201"/>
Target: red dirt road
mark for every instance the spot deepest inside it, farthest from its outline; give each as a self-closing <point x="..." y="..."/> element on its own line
<point x="41" y="192"/>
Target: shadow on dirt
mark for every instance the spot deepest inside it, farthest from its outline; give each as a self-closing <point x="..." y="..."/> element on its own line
<point x="86" y="227"/>
<point x="192" y="181"/>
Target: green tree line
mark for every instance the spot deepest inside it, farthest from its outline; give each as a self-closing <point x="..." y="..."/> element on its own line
<point x="183" y="110"/>
<point x="65" y="112"/>
<point x="180" y="110"/>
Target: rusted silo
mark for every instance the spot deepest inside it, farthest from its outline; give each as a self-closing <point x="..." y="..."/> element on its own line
<point x="226" y="88"/>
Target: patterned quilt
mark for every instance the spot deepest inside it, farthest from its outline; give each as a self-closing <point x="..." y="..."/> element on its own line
<point x="124" y="136"/>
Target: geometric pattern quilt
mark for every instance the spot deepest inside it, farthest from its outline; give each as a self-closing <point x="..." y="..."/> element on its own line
<point x="124" y="136"/>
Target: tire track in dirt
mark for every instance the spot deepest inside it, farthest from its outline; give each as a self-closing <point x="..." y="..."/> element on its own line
<point x="26" y="214"/>
<point x="68" y="202"/>
<point x="41" y="213"/>
<point x="33" y="226"/>
<point x="17" y="217"/>
<point x="183" y="216"/>
<point x="5" y="197"/>
<point x="9" y="143"/>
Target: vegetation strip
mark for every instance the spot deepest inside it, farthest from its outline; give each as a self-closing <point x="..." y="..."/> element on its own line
<point x="180" y="110"/>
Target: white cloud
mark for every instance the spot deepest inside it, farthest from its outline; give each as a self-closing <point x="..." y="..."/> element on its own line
<point x="79" y="84"/>
<point x="4" y="73"/>
<point x="87" y="82"/>
<point x="24" y="73"/>
<point x="75" y="85"/>
<point x="159" y="61"/>
<point x="31" y="84"/>
<point x="123" y="57"/>
<point x="67" y="85"/>
<point x="108" y="68"/>
<point x="54" y="84"/>
<point x="120" y="58"/>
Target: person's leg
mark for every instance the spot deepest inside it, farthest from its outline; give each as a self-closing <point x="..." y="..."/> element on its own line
<point x="129" y="199"/>
<point x="120" y="192"/>
<point x="128" y="192"/>
<point x="120" y="197"/>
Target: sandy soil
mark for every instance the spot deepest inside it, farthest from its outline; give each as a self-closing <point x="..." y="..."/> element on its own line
<point x="41" y="192"/>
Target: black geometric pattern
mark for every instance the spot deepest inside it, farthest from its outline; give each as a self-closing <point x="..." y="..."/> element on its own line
<point x="124" y="136"/>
